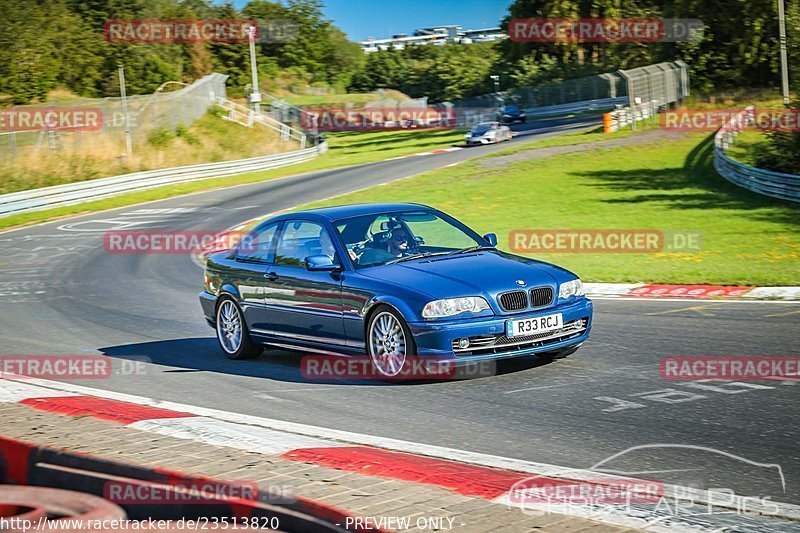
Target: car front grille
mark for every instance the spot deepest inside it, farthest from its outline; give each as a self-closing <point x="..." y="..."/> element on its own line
<point x="541" y="296"/>
<point x="513" y="301"/>
<point x="500" y="344"/>
<point x="519" y="300"/>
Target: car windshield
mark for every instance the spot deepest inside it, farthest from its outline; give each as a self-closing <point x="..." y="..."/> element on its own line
<point x="382" y="238"/>
<point x="483" y="128"/>
<point x="511" y="109"/>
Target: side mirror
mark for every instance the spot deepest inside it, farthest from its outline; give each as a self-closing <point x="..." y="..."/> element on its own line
<point x="319" y="262"/>
<point x="491" y="238"/>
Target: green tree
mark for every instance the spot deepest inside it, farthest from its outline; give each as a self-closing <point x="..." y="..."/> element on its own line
<point x="28" y="68"/>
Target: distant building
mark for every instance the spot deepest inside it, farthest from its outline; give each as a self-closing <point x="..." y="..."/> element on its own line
<point x="436" y="35"/>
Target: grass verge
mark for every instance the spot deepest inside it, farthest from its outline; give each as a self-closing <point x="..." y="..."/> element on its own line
<point x="746" y="146"/>
<point x="94" y="155"/>
<point x="746" y="239"/>
<point x="346" y="149"/>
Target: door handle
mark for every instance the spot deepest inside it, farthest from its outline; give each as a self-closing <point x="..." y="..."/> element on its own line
<point x="271" y="276"/>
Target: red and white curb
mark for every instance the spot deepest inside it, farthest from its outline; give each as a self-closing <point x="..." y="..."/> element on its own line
<point x="691" y="292"/>
<point x="469" y="473"/>
<point x="431" y="152"/>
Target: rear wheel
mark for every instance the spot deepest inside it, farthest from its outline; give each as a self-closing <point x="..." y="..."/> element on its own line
<point x="389" y="342"/>
<point x="232" y="334"/>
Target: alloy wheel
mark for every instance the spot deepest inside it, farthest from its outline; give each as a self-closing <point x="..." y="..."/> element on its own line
<point x="229" y="326"/>
<point x="387" y="344"/>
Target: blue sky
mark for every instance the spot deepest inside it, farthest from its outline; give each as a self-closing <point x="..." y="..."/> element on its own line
<point x="360" y="19"/>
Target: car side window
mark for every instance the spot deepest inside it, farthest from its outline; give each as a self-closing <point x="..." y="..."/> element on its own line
<point x="300" y="239"/>
<point x="257" y="246"/>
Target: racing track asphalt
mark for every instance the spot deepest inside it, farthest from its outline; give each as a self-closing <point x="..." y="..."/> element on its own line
<point x="62" y="294"/>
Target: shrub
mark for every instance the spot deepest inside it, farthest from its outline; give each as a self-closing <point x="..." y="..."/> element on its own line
<point x="160" y="138"/>
<point x="184" y="133"/>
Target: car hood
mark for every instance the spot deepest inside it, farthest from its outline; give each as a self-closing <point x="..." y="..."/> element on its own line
<point x="484" y="273"/>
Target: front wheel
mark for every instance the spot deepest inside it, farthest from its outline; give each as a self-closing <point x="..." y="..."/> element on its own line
<point x="389" y="342"/>
<point x="232" y="334"/>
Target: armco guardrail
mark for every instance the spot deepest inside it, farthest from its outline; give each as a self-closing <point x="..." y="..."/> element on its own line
<point x="576" y="107"/>
<point x="629" y="116"/>
<point x="84" y="191"/>
<point x="468" y="118"/>
<point x="768" y="183"/>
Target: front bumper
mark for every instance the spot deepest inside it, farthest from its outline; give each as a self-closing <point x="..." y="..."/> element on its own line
<point x="481" y="140"/>
<point x="434" y="339"/>
<point x="209" y="304"/>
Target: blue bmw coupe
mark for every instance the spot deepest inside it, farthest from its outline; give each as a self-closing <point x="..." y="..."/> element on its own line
<point x="394" y="282"/>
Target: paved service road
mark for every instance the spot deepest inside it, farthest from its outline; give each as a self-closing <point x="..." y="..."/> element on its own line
<point x="62" y="294"/>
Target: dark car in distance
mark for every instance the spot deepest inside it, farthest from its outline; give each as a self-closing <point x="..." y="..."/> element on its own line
<point x="511" y="114"/>
<point x="393" y="281"/>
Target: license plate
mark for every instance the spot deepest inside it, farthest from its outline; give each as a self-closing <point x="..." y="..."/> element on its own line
<point x="532" y="326"/>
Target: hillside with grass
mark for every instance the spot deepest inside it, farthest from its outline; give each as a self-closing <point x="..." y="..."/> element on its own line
<point x="207" y="140"/>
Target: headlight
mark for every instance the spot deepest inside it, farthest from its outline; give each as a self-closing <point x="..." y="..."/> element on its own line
<point x="454" y="306"/>
<point x="570" y="288"/>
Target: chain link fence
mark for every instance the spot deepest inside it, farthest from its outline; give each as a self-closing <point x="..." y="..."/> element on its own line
<point x="47" y="127"/>
<point x="663" y="83"/>
<point x="595" y="87"/>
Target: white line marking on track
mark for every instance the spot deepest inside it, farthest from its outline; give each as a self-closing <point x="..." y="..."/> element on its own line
<point x="221" y="433"/>
<point x="14" y="391"/>
<point x="537" y="388"/>
<point x="334" y="437"/>
<point x="306" y="390"/>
